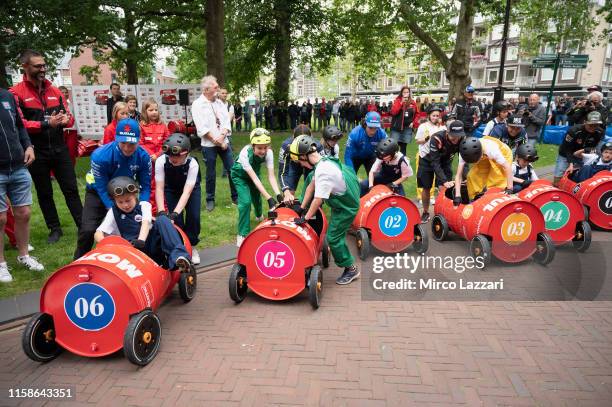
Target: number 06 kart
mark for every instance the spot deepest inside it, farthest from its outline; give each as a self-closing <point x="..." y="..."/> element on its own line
<point x="497" y="225"/>
<point x="595" y="194"/>
<point x="105" y="301"/>
<point x="278" y="259"/>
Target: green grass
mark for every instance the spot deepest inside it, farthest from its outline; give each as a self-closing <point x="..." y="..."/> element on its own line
<point x="218" y="227"/>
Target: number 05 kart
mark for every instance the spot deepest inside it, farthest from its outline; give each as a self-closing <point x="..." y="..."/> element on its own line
<point x="105" y="301"/>
<point x="278" y="259"/>
<point x="497" y="225"/>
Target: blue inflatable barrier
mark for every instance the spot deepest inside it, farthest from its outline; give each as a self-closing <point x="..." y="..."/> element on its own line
<point x="552" y="134"/>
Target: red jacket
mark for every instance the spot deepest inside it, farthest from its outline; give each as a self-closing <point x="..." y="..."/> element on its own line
<point x="152" y="137"/>
<point x="397" y="111"/>
<point x="34" y="105"/>
<point x="109" y="132"/>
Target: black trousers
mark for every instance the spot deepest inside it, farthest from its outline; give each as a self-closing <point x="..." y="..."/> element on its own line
<point x="94" y="212"/>
<point x="57" y="160"/>
<point x="366" y="162"/>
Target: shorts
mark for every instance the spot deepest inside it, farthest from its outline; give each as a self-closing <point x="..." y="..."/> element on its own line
<point x="560" y="166"/>
<point x="17" y="187"/>
<point x="426" y="174"/>
<point x="404" y="136"/>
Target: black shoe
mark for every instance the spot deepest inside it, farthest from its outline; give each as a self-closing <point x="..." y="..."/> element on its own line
<point x="54" y="235"/>
<point x="183" y="264"/>
<point x="210" y="205"/>
<point x="425" y="217"/>
<point x="349" y="274"/>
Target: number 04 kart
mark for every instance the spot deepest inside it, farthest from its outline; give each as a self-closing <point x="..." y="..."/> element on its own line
<point x="103" y="302"/>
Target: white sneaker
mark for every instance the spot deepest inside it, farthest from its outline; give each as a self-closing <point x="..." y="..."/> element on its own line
<point x="239" y="240"/>
<point x="30" y="248"/>
<point x="5" y="275"/>
<point x="30" y="262"/>
<point x="259" y="219"/>
<point x="433" y="200"/>
<point x="195" y="256"/>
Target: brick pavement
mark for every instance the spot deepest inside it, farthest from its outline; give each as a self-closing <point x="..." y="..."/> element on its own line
<point x="347" y="353"/>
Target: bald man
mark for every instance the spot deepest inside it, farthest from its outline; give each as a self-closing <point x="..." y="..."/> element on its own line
<point x="534" y="116"/>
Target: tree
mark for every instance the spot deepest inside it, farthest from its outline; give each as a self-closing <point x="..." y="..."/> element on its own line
<point x="215" y="51"/>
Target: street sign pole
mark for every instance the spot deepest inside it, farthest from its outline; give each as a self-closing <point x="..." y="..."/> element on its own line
<point x="550" y="95"/>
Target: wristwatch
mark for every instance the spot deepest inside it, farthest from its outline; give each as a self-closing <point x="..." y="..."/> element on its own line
<point x="45" y="123"/>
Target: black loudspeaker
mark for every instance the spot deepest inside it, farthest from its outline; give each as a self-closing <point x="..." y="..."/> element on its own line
<point x="183" y="97"/>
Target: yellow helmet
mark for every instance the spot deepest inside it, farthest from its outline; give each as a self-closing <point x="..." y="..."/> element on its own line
<point x="260" y="136"/>
<point x="302" y="145"/>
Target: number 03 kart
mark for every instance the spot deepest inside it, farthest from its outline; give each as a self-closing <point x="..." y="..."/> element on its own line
<point x="103" y="302"/>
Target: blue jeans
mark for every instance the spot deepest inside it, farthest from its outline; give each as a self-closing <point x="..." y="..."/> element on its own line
<point x="189" y="220"/>
<point x="404" y="136"/>
<point x="17" y="186"/>
<point x="210" y="157"/>
<point x="560" y="166"/>
<point x="164" y="243"/>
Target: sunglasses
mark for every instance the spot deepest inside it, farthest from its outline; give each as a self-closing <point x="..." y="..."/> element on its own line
<point x="175" y="150"/>
<point x="129" y="188"/>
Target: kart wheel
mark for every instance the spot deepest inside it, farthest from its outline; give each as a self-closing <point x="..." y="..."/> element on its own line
<point x="363" y="243"/>
<point x="38" y="339"/>
<point x="188" y="283"/>
<point x="325" y="253"/>
<point x="238" y="283"/>
<point x="315" y="285"/>
<point x="582" y="238"/>
<point x="545" y="249"/>
<point x="421" y="240"/>
<point x="586" y="212"/>
<point x="481" y="247"/>
<point x="439" y="228"/>
<point x="142" y="338"/>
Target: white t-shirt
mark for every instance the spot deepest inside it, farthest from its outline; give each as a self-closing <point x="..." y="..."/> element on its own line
<point x="405" y="167"/>
<point x="160" y="174"/>
<point x="328" y="180"/>
<point x="243" y="158"/>
<point x="336" y="151"/>
<point x="592" y="158"/>
<point x="424" y="130"/>
<point x="489" y="127"/>
<point x="109" y="224"/>
<point x="534" y="176"/>
<point x="492" y="150"/>
<point x="210" y="117"/>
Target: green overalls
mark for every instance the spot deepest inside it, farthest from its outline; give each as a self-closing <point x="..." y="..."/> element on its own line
<point x="247" y="192"/>
<point x="344" y="208"/>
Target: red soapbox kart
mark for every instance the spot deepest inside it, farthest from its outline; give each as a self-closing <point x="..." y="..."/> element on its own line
<point x="278" y="259"/>
<point x="388" y="221"/>
<point x="595" y="194"/>
<point x="105" y="301"/>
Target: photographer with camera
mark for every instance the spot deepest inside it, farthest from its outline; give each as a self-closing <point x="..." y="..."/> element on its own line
<point x="534" y="117"/>
<point x="592" y="103"/>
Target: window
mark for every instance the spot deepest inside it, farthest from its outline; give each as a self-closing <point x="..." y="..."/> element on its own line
<point x="300" y="90"/>
<point x="379" y="83"/>
<point x="411" y="80"/>
<point x="606" y="73"/>
<point x="497" y="32"/>
<point x="552" y="26"/>
<point x="512" y="54"/>
<point x="546" y="74"/>
<point x="549" y="49"/>
<point x="390" y="82"/>
<point x="568" y="74"/>
<point x="494" y="54"/>
<point x="492" y="75"/>
<point x="514" y="31"/>
<point x="609" y="51"/>
<point x="572" y="46"/>
<point x="509" y="75"/>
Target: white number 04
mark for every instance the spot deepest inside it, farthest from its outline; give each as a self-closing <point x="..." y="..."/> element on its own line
<point x="275" y="260"/>
<point x="82" y="307"/>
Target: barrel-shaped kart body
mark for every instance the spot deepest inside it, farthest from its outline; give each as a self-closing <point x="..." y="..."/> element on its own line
<point x="277" y="256"/>
<point x="563" y="213"/>
<point x="595" y="194"/>
<point x="391" y="221"/>
<point x="90" y="303"/>
<point x="511" y="225"/>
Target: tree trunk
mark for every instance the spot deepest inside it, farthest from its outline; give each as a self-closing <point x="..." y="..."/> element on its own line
<point x="4" y="82"/>
<point x="458" y="73"/>
<point x="215" y="57"/>
<point x="282" y="52"/>
<point x="131" y="49"/>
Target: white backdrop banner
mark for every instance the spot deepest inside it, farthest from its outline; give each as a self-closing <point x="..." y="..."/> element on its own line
<point x="89" y="104"/>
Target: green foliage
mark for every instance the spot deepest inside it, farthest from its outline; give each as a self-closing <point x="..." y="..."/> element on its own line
<point x="91" y="74"/>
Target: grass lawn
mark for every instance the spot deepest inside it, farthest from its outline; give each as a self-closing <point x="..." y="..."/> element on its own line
<point x="218" y="227"/>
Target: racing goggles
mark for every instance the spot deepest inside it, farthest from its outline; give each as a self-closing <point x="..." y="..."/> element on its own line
<point x="174" y="150"/>
<point x="129" y="188"/>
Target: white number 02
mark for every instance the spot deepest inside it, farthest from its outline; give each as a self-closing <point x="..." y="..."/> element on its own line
<point x="393" y="222"/>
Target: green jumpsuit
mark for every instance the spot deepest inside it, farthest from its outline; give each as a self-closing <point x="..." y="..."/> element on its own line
<point x="344" y="208"/>
<point x="247" y="192"/>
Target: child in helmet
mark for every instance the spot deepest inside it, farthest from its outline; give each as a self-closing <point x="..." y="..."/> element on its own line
<point x="337" y="185"/>
<point x="245" y="175"/>
<point x="391" y="168"/>
<point x="329" y="141"/>
<point x="132" y="220"/>
<point x="593" y="162"/>
<point x="492" y="166"/>
<point x="290" y="172"/>
<point x="177" y="188"/>
<point x="523" y="171"/>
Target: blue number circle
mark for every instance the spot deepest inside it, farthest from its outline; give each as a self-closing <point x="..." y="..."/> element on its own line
<point x="393" y="221"/>
<point x="89" y="306"/>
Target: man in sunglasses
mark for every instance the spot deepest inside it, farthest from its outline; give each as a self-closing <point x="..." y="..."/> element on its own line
<point x="122" y="157"/>
<point x="45" y="115"/>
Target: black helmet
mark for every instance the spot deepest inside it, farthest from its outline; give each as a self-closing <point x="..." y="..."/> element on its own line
<point x="122" y="185"/>
<point x="606" y="146"/>
<point x="527" y="152"/>
<point x="301" y="129"/>
<point x="332" y="133"/>
<point x="176" y="144"/>
<point x="501" y="106"/>
<point x="386" y="147"/>
<point x="470" y="149"/>
<point x="434" y="108"/>
<point x="302" y="145"/>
